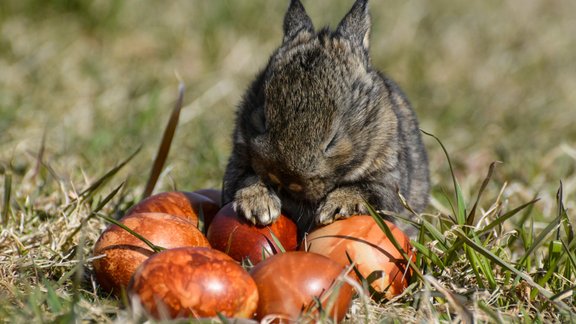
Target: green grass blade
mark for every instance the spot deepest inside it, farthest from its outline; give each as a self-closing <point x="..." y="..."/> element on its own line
<point x="500" y="220"/>
<point x="276" y="241"/>
<point x="429" y="254"/>
<point x="555" y="248"/>
<point x="451" y="253"/>
<point x="384" y="227"/>
<point x="507" y="266"/>
<point x="107" y="199"/>
<point x="472" y="214"/>
<point x="165" y="144"/>
<point x="94" y="212"/>
<point x="52" y="299"/>
<point x="202" y="220"/>
<point x="460" y="203"/>
<point x="6" y="200"/>
<point x="154" y="247"/>
<point x="566" y="224"/>
<point x="539" y="240"/>
<point x="486" y="268"/>
<point x="35" y="300"/>
<point x="492" y="313"/>
<point x="40" y="155"/>
<point x="435" y="234"/>
<point x="91" y="190"/>
<point x="223" y="319"/>
<point x="567" y="293"/>
<point x="452" y="208"/>
<point x="474" y="265"/>
<point x="527" y="236"/>
<point x="570" y="254"/>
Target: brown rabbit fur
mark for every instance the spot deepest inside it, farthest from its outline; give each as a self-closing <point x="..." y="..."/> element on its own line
<point x="320" y="132"/>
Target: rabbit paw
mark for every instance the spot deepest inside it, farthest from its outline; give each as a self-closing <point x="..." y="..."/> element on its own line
<point x="341" y="203"/>
<point x="258" y="204"/>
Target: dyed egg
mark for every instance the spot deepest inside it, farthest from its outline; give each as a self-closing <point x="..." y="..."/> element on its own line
<point x="288" y="284"/>
<point x="179" y="203"/>
<point x="240" y="239"/>
<point x="123" y="252"/>
<point x="369" y="248"/>
<point x="194" y="282"/>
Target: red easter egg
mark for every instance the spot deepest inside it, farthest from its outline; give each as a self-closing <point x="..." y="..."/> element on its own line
<point x="194" y="282"/>
<point x="288" y="284"/>
<point x="240" y="239"/>
<point x="179" y="203"/>
<point x="124" y="252"/>
<point x="369" y="248"/>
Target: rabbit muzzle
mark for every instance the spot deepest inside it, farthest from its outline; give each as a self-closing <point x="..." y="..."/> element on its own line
<point x="311" y="190"/>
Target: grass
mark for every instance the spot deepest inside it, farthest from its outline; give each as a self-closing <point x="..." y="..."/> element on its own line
<point x="83" y="85"/>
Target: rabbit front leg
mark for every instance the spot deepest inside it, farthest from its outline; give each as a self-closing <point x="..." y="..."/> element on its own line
<point x="342" y="202"/>
<point x="347" y="201"/>
<point x="258" y="203"/>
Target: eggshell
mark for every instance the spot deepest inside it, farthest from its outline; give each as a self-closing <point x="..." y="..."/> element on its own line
<point x="289" y="282"/>
<point x="194" y="282"/>
<point x="123" y="252"/>
<point x="189" y="205"/>
<point x="240" y="239"/>
<point x="368" y="247"/>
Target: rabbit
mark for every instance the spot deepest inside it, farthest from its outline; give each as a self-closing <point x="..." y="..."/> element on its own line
<point x="320" y="132"/>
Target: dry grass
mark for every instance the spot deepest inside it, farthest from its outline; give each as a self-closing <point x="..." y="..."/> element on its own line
<point x="84" y="84"/>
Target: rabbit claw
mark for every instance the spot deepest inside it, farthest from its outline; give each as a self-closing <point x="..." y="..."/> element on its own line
<point x="340" y="203"/>
<point x="257" y="204"/>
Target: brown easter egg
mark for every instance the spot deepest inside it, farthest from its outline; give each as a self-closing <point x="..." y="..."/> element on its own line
<point x="179" y="203"/>
<point x="123" y="252"/>
<point x="240" y="239"/>
<point x="288" y="284"/>
<point x="214" y="194"/>
<point x="369" y="248"/>
<point x="194" y="282"/>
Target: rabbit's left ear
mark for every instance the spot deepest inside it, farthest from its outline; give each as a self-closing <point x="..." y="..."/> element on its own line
<point x="355" y="26"/>
<point x="296" y="21"/>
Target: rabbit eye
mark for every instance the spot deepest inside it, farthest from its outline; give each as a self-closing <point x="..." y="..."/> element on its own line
<point x="339" y="145"/>
<point x="332" y="144"/>
<point x="258" y="120"/>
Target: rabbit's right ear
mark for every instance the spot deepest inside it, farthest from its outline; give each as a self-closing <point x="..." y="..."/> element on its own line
<point x="296" y="21"/>
<point x="356" y="24"/>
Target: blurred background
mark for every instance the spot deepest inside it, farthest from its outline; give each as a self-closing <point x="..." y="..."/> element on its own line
<point x="494" y="80"/>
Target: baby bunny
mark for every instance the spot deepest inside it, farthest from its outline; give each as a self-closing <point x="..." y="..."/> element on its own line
<point x="320" y="132"/>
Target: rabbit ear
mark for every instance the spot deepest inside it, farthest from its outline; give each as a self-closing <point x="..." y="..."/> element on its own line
<point x="356" y="25"/>
<point x="296" y="20"/>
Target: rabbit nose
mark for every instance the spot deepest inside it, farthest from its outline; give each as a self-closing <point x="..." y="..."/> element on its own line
<point x="295" y="187"/>
<point x="274" y="178"/>
<point x="292" y="186"/>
